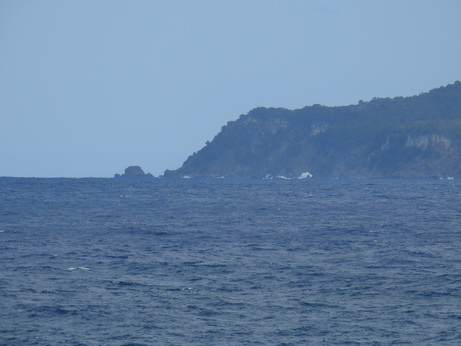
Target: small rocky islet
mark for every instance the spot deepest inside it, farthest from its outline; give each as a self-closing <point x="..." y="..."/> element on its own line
<point x="134" y="172"/>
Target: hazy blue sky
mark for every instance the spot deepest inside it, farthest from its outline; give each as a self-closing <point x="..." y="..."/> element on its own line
<point x="89" y="87"/>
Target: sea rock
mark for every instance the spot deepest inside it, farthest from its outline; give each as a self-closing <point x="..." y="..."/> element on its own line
<point x="134" y="172"/>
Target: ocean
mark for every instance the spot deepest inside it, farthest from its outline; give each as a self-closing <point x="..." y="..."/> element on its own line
<point x="230" y="262"/>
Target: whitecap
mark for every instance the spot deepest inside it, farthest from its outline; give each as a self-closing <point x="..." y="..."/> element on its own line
<point x="78" y="268"/>
<point x="305" y="175"/>
<point x="281" y="177"/>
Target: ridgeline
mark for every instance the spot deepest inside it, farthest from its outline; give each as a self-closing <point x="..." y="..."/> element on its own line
<point x="402" y="137"/>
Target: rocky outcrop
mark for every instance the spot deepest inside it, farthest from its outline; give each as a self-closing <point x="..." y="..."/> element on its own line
<point x="412" y="137"/>
<point x="134" y="172"/>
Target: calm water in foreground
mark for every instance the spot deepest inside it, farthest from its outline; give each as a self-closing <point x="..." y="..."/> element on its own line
<point x="230" y="262"/>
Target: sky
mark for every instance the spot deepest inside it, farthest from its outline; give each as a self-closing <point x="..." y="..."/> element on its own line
<point x="90" y="87"/>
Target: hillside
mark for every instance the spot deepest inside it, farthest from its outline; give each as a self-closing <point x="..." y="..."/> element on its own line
<point x="405" y="137"/>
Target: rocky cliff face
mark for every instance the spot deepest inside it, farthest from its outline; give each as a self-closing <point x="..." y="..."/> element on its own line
<point x="414" y="137"/>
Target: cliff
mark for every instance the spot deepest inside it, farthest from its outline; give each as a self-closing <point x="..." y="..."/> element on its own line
<point x="404" y="137"/>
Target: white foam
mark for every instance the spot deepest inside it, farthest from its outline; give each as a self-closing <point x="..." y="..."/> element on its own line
<point x="305" y="175"/>
<point x="78" y="268"/>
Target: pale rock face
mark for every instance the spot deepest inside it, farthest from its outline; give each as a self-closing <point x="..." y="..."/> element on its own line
<point x="386" y="145"/>
<point x="277" y="125"/>
<point x="428" y="141"/>
<point x="318" y="127"/>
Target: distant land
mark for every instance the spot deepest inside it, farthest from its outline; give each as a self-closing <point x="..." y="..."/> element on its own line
<point x="133" y="172"/>
<point x="402" y="137"/>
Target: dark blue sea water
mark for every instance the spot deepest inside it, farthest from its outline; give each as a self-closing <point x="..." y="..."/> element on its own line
<point x="230" y="262"/>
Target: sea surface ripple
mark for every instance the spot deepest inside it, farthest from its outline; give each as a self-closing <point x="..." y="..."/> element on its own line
<point x="230" y="262"/>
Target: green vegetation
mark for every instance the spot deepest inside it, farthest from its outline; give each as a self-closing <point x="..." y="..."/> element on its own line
<point x="418" y="136"/>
